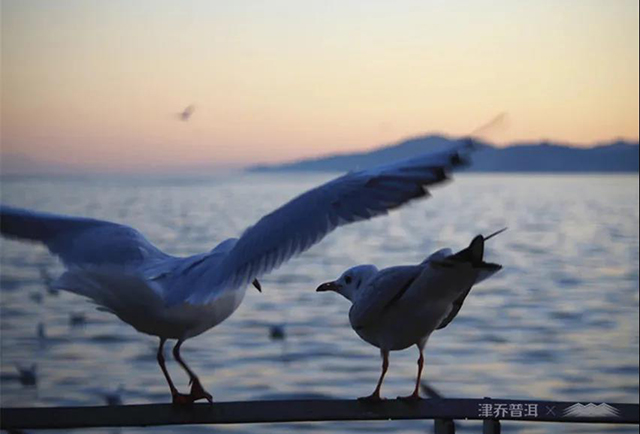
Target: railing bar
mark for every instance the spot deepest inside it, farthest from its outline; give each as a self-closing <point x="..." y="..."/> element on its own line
<point x="314" y="411"/>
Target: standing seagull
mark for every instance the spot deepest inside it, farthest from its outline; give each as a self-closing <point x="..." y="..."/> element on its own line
<point x="398" y="307"/>
<point x="179" y="298"/>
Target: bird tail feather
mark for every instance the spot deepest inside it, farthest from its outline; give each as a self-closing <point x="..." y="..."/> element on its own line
<point x="115" y="291"/>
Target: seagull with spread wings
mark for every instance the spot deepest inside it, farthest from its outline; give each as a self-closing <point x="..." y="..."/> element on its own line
<point x="178" y="298"/>
<point x="186" y="114"/>
<point x="398" y="307"/>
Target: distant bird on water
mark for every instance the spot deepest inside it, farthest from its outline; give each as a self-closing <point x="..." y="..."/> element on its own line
<point x="277" y="332"/>
<point x="77" y="319"/>
<point x="114" y="397"/>
<point x="401" y="306"/>
<point x="178" y="298"/>
<point x="186" y="114"/>
<point x="36" y="297"/>
<point x="41" y="332"/>
<point x="28" y="375"/>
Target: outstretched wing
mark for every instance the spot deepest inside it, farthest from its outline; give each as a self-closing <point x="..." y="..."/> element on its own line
<point x="384" y="290"/>
<point x="304" y="221"/>
<point x="79" y="241"/>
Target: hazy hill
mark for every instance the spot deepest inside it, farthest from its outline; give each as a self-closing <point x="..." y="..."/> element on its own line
<point x="618" y="156"/>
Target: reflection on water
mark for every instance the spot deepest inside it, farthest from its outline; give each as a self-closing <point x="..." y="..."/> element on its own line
<point x="560" y="322"/>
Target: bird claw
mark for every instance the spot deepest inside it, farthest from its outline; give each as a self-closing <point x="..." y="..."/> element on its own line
<point x="372" y="398"/>
<point x="181" y="399"/>
<point x="411" y="398"/>
<point x="198" y="392"/>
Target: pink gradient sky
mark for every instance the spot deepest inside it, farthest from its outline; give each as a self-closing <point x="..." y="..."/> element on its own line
<point x="97" y="84"/>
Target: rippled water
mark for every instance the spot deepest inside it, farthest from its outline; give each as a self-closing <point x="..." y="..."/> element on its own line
<point x="560" y="322"/>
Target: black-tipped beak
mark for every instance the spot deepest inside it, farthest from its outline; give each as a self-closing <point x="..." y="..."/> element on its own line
<point x="257" y="285"/>
<point x="329" y="286"/>
<point x="495" y="233"/>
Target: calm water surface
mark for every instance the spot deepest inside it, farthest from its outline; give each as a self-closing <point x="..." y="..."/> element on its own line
<point x="560" y="322"/>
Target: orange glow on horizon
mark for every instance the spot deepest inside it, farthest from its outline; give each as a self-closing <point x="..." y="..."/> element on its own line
<point x="100" y="84"/>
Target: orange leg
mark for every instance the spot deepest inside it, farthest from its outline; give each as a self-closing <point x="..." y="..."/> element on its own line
<point x="197" y="391"/>
<point x="177" y="397"/>
<point x="416" y="392"/>
<point x="375" y="396"/>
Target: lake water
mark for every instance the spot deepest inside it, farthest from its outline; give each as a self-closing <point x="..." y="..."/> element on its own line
<point x="560" y="322"/>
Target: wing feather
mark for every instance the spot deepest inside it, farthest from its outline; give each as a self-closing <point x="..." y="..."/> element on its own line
<point x="305" y="220"/>
<point x="485" y="271"/>
<point x="79" y="241"/>
<point x="387" y="287"/>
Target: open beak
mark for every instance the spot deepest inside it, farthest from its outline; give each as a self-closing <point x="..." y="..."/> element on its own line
<point x="257" y="285"/>
<point x="329" y="286"/>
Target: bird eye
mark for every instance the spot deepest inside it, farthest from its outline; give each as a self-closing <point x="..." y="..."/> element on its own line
<point x="347" y="280"/>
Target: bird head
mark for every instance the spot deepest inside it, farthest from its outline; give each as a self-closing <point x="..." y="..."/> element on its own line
<point x="350" y="282"/>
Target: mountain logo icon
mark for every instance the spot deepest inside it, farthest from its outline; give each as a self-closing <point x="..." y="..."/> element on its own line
<point x="591" y="410"/>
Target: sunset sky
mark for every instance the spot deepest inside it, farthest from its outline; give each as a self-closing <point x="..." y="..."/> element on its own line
<point x="99" y="84"/>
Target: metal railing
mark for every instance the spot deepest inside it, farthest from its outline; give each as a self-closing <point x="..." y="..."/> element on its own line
<point x="443" y="411"/>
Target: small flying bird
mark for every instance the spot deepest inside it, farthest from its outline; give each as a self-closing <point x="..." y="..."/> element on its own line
<point x="181" y="297"/>
<point x="186" y="114"/>
<point x="401" y="306"/>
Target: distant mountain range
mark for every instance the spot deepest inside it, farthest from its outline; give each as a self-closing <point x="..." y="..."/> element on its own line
<point x="615" y="157"/>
